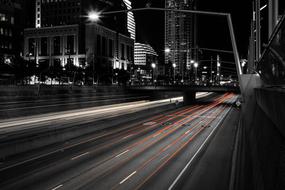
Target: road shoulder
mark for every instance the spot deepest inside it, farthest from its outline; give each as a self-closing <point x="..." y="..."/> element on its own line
<point x="213" y="168"/>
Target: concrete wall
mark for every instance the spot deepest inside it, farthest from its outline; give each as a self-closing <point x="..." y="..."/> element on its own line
<point x="261" y="161"/>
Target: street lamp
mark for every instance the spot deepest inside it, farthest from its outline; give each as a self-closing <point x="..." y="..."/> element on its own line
<point x="94" y="16"/>
<point x="167" y="50"/>
<point x="174" y="67"/>
<point x="153" y="66"/>
<point x="196" y="65"/>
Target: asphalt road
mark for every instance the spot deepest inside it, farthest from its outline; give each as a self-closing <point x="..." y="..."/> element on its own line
<point x="18" y="107"/>
<point x="150" y="154"/>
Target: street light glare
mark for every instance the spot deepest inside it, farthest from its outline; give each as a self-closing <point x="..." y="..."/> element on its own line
<point x="174" y="65"/>
<point x="196" y="65"/>
<point x="153" y="65"/>
<point x="167" y="50"/>
<point x="94" y="16"/>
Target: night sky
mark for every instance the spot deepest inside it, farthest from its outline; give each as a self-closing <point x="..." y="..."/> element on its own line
<point x="212" y="31"/>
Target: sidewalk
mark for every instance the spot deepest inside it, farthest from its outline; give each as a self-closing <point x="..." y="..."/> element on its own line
<point x="212" y="170"/>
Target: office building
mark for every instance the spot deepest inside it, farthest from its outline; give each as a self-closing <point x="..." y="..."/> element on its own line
<point x="63" y="34"/>
<point x="131" y="20"/>
<point x="11" y="25"/>
<point x="68" y="12"/>
<point x="145" y="56"/>
<point x="179" y="39"/>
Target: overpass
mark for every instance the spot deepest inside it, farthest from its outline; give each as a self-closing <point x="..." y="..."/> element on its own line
<point x="186" y="88"/>
<point x="188" y="91"/>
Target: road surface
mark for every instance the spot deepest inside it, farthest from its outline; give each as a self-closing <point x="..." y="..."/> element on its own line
<point x="150" y="154"/>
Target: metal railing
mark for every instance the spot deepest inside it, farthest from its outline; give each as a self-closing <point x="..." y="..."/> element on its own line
<point x="271" y="65"/>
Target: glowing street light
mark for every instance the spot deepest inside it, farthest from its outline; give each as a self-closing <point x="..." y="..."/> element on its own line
<point x="192" y="61"/>
<point x="153" y="65"/>
<point x="174" y="66"/>
<point x="196" y="65"/>
<point x="94" y="16"/>
<point x="167" y="50"/>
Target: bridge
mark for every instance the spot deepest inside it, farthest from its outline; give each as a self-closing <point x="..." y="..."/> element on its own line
<point x="188" y="91"/>
<point x="186" y="88"/>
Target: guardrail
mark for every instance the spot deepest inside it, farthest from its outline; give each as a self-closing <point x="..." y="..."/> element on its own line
<point x="271" y="65"/>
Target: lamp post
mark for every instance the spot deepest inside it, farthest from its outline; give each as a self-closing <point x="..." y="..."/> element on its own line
<point x="196" y="65"/>
<point x="93" y="17"/>
<point x="218" y="69"/>
<point x="174" y="68"/>
<point x="153" y="65"/>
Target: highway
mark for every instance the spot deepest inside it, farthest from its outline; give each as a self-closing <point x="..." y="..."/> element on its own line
<point x="150" y="153"/>
<point x="25" y="106"/>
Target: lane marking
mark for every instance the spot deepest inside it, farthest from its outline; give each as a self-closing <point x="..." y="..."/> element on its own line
<point x="156" y="135"/>
<point x="124" y="180"/>
<point x="76" y="157"/>
<point x="198" y="151"/>
<point x="187" y="132"/>
<point x="57" y="187"/>
<point x="163" y="157"/>
<point x="127" y="136"/>
<point x="149" y="123"/>
<point x="122" y="153"/>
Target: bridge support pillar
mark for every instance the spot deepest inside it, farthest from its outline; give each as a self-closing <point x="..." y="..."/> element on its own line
<point x="189" y="97"/>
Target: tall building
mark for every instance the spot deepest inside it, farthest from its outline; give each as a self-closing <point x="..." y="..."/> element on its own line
<point x="179" y="39"/>
<point x="11" y="26"/>
<point x="67" y="12"/>
<point x="131" y="20"/>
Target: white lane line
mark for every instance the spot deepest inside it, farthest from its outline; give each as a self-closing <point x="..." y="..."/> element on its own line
<point x="187" y="132"/>
<point x="124" y="180"/>
<point x="57" y="187"/>
<point x="76" y="157"/>
<point x="163" y="157"/>
<point x="122" y="153"/>
<point x="156" y="135"/>
<point x="167" y="147"/>
<point x="198" y="151"/>
<point x="127" y="136"/>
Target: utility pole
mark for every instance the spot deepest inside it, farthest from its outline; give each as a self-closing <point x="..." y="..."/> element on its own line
<point x="258" y="32"/>
<point x="273" y="13"/>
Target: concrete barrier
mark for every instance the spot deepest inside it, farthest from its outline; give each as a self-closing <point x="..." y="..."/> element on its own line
<point x="261" y="158"/>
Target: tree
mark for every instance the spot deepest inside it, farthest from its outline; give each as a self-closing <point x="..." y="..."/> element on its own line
<point x="22" y="69"/>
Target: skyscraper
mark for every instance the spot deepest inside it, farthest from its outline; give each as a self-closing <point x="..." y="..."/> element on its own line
<point x="131" y="20"/>
<point x="178" y="35"/>
<point x="11" y="25"/>
<point x="66" y="12"/>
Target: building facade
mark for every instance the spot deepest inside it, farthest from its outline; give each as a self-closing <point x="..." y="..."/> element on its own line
<point x="53" y="44"/>
<point x="145" y="57"/>
<point x="105" y="49"/>
<point x="179" y="36"/>
<point x="131" y="20"/>
<point x="63" y="34"/>
<point x="68" y="12"/>
<point x="11" y="25"/>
